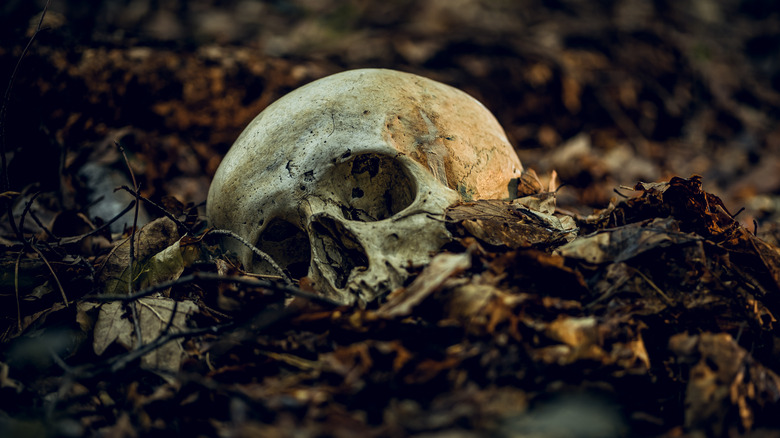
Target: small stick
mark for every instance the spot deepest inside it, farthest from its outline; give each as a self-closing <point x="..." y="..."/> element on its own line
<point x="24" y="212"/>
<point x="122" y="361"/>
<point x="16" y="289"/>
<point x="43" y="227"/>
<point x="657" y="289"/>
<point x="158" y="207"/>
<point x="28" y="209"/>
<point x="208" y="276"/>
<point x="254" y="249"/>
<point x="74" y="239"/>
<point x="127" y="163"/>
<point x="57" y="280"/>
<point x="619" y="194"/>
<point x="168" y="326"/>
<point x="116" y="363"/>
<point x="133" y="308"/>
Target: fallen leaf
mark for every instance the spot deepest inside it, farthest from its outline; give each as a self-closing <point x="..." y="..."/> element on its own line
<point x="441" y="267"/>
<point x="114" y="325"/>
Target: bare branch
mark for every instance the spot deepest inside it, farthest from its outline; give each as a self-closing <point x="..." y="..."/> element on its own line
<point x="208" y="276"/>
<point x="160" y="208"/>
<point x="254" y="249"/>
<point x="56" y="279"/>
<point x="75" y="239"/>
<point x="133" y="307"/>
<point x="16" y="291"/>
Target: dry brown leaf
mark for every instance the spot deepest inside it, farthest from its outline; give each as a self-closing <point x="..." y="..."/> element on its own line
<point x="442" y="266"/>
<point x="114" y="325"/>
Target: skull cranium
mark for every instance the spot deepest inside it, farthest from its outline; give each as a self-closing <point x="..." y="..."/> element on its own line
<point x="346" y="179"/>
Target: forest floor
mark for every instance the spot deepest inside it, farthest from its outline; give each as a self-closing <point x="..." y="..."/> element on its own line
<point x="660" y="120"/>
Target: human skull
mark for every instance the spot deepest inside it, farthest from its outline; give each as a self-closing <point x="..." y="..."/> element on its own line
<point x="346" y="180"/>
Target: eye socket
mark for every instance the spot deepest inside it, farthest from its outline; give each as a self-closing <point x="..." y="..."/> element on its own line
<point x="372" y="187"/>
<point x="287" y="245"/>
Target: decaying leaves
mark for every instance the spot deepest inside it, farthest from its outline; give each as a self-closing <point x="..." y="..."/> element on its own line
<point x="155" y="316"/>
<point x="662" y="304"/>
<point x="114" y="270"/>
<point x="528" y="221"/>
<point x="724" y="381"/>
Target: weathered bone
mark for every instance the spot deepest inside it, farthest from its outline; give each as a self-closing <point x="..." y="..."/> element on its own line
<point x="346" y="179"/>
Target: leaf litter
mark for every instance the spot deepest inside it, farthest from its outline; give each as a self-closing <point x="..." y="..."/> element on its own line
<point x="652" y="315"/>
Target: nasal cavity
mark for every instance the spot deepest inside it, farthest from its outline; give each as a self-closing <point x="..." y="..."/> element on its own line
<point x="287" y="245"/>
<point x="339" y="251"/>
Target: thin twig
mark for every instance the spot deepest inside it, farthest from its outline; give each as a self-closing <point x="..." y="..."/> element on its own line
<point x="57" y="280"/>
<point x="127" y="163"/>
<point x="168" y="326"/>
<point x="27" y="207"/>
<point x="116" y="363"/>
<point x="254" y="249"/>
<point x="619" y="194"/>
<point x="133" y="307"/>
<point x="130" y="280"/>
<point x="208" y="276"/>
<point x="261" y="321"/>
<point x="58" y="360"/>
<point x="161" y="209"/>
<point x="122" y="361"/>
<point x="76" y="239"/>
<point x="657" y="289"/>
<point x="16" y="290"/>
<point x="42" y="226"/>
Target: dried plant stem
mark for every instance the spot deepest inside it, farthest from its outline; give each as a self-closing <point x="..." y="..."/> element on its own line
<point x="116" y="363"/>
<point x="42" y="226"/>
<point x="255" y="250"/>
<point x="665" y="298"/>
<point x="53" y="274"/>
<point x="16" y="290"/>
<point x="208" y="276"/>
<point x="133" y="307"/>
<point x="168" y="326"/>
<point x="26" y="210"/>
<point x="120" y="362"/>
<point x="75" y="239"/>
<point x="162" y="210"/>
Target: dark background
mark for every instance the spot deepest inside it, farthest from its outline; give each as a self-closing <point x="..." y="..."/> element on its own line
<point x="607" y="93"/>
